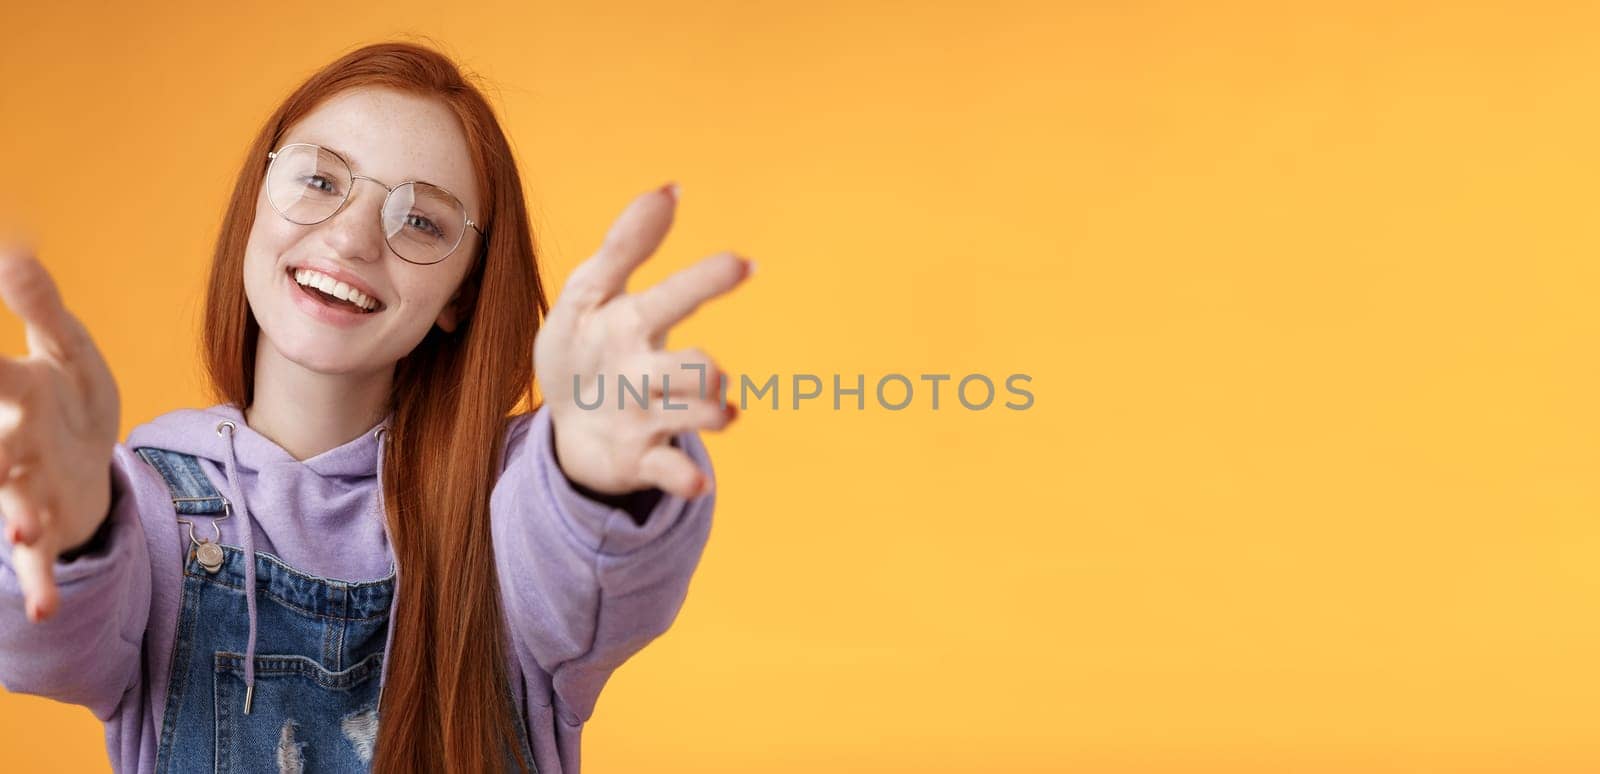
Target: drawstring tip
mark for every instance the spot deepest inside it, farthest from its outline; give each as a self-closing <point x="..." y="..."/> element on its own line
<point x="249" y="693"/>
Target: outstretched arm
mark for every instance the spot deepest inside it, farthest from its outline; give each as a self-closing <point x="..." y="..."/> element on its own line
<point x="586" y="583"/>
<point x="87" y="652"/>
<point x="74" y="563"/>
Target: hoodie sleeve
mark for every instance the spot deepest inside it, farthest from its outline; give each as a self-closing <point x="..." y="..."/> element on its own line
<point x="585" y="585"/>
<point x="88" y="652"/>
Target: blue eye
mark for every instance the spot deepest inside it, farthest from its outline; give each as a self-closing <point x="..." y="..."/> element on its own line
<point x="421" y="223"/>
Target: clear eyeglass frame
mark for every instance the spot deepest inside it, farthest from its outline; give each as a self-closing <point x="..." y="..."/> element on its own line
<point x="272" y="157"/>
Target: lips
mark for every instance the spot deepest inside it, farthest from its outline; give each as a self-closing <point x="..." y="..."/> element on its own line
<point x="319" y="307"/>
<point x="322" y="296"/>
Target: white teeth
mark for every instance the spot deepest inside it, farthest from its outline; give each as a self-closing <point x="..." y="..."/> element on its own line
<point x="335" y="288"/>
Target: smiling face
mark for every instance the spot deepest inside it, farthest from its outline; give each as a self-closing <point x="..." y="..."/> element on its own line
<point x="392" y="137"/>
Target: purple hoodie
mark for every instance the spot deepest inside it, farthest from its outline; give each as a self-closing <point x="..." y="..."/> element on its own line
<point x="603" y="586"/>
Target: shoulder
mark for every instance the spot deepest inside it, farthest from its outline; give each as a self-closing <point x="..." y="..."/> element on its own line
<point x="519" y="425"/>
<point x="515" y="441"/>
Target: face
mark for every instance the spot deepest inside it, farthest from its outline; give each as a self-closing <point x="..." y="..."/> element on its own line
<point x="392" y="137"/>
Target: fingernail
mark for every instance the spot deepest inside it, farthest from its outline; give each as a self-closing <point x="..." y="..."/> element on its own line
<point x="672" y="190"/>
<point x="749" y="267"/>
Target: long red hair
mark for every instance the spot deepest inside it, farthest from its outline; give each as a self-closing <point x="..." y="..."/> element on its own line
<point x="445" y="704"/>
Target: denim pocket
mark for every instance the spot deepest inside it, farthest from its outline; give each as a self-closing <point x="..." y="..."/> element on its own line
<point x="302" y="717"/>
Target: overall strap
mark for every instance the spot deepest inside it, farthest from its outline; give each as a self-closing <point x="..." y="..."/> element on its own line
<point x="192" y="492"/>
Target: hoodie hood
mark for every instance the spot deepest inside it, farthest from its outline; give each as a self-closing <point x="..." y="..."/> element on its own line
<point x="194" y="431"/>
<point x="323" y="516"/>
<point x="320" y="515"/>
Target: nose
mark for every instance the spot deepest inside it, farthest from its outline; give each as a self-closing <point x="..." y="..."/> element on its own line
<point x="356" y="231"/>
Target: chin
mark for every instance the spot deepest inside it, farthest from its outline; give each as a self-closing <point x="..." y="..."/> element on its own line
<point x="322" y="358"/>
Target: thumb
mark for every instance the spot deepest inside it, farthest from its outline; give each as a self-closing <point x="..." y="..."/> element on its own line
<point x="30" y="292"/>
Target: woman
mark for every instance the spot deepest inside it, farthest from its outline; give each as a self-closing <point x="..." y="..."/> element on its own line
<point x="357" y="560"/>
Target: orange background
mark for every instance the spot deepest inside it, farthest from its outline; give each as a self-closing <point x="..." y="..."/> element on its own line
<point x="1307" y="295"/>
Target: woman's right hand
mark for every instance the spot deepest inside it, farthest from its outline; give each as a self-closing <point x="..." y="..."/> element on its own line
<point x="59" y="419"/>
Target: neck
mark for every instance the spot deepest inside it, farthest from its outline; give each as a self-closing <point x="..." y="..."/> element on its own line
<point x="308" y="412"/>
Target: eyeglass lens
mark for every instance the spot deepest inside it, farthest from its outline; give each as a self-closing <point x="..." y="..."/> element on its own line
<point x="307" y="184"/>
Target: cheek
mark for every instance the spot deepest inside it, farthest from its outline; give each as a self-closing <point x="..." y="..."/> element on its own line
<point x="260" y="253"/>
<point x="271" y="240"/>
<point x="270" y="229"/>
<point x="425" y="290"/>
<point x="420" y="299"/>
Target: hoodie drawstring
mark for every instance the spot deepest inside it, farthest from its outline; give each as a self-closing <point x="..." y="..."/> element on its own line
<point x="232" y="464"/>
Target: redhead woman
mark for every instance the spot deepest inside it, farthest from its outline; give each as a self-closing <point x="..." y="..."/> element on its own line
<point x="360" y="558"/>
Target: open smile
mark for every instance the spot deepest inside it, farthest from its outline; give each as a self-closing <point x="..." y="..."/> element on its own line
<point x="329" y="300"/>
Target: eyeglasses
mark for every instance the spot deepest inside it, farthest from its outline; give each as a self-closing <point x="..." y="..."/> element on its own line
<point x="423" y="223"/>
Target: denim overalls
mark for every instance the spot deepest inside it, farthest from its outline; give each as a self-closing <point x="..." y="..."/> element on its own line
<point x="312" y="704"/>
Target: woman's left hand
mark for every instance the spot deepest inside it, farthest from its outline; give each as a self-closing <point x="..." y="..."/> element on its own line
<point x="597" y="332"/>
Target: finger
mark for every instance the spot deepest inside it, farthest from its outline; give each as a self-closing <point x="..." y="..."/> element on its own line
<point x="632" y="238"/>
<point x="11" y="456"/>
<point x="35" y="568"/>
<point x="694" y="415"/>
<point x="23" y="508"/>
<point x="31" y="294"/>
<point x="672" y="470"/>
<point x="662" y="305"/>
<point x="686" y="372"/>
